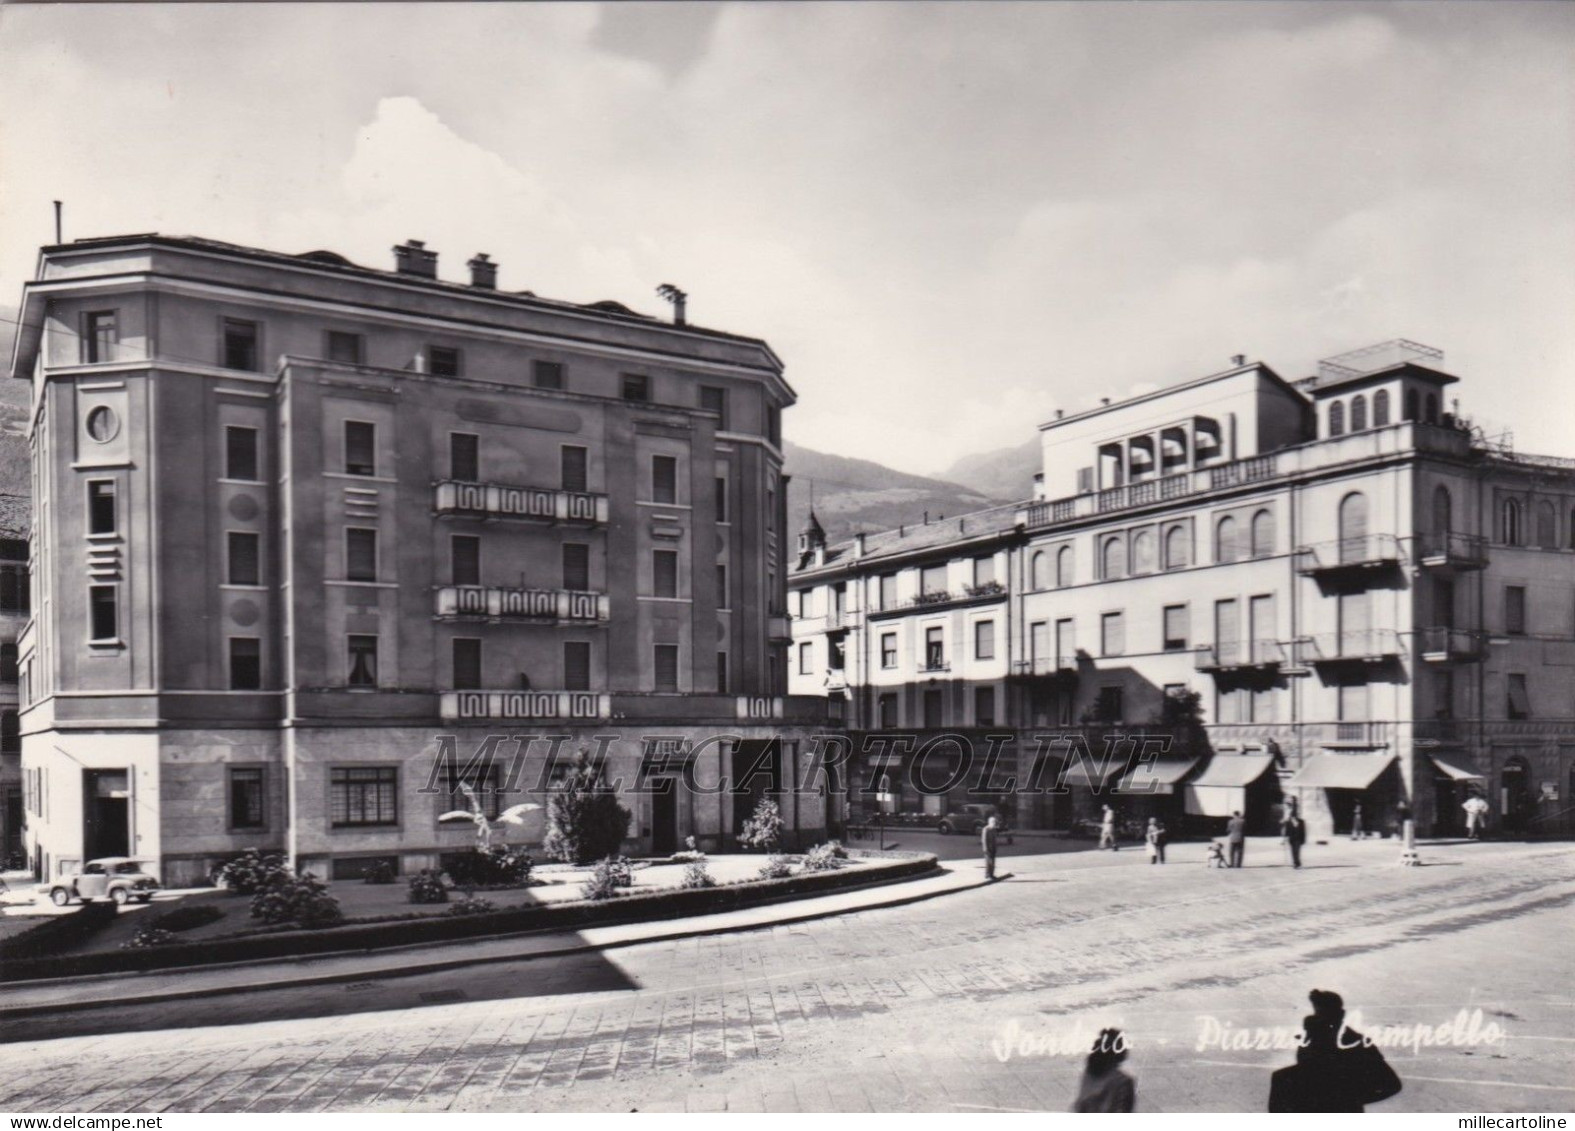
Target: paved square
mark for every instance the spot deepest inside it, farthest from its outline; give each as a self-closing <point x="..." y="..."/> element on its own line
<point x="952" y="1004"/>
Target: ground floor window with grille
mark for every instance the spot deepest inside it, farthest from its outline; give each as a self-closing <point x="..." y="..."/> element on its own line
<point x="486" y="785"/>
<point x="247" y="806"/>
<point x="363" y="795"/>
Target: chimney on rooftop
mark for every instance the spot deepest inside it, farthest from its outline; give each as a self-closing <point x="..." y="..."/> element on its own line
<point x="1059" y="413"/>
<point x="1105" y="401"/>
<point x="858" y="545"/>
<point x="678" y="298"/>
<point x="413" y="258"/>
<point x="483" y="272"/>
<point x="1238" y="359"/>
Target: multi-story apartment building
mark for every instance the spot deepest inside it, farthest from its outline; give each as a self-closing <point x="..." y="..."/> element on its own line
<point x="1375" y="605"/>
<point x="304" y="526"/>
<point x="14" y="593"/>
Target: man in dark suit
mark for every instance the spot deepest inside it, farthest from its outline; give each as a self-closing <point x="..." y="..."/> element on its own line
<point x="989" y="836"/>
<point x="1236" y="837"/>
<point x="1335" y="1070"/>
<point x="1294" y="830"/>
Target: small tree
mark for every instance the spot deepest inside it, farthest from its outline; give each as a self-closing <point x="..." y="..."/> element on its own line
<point x="763" y="831"/>
<point x="584" y="820"/>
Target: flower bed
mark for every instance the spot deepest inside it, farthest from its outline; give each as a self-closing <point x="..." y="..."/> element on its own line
<point x="415" y="930"/>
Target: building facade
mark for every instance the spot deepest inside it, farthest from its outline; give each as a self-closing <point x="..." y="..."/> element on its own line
<point x="14" y="606"/>
<point x="311" y="535"/>
<point x="1373" y="605"/>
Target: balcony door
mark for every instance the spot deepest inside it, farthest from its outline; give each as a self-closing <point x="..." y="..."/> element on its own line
<point x="1227" y="629"/>
<point x="1353" y="527"/>
<point x="1354" y="611"/>
<point x="1261" y="624"/>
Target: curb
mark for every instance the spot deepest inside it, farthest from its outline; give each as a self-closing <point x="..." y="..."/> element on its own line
<point x="441" y="965"/>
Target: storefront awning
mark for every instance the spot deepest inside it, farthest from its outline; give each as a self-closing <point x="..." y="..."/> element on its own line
<point x="1454" y="772"/>
<point x="1090" y="772"/>
<point x="1342" y="771"/>
<point x="1233" y="770"/>
<point x="1157" y="777"/>
<point x="1221" y="789"/>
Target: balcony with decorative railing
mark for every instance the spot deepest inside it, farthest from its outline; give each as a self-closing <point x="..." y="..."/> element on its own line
<point x="459" y="706"/>
<point x="985" y="593"/>
<point x="511" y="501"/>
<point x="1237" y="655"/>
<point x="1449" y="645"/>
<point x="551" y="606"/>
<point x="1356" y="735"/>
<point x="1362" y="552"/>
<point x="1451" y="551"/>
<point x="1366" y="646"/>
<point x="491" y="705"/>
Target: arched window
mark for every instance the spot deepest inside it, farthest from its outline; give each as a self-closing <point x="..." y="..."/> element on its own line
<point x="1353" y="527"/>
<point x="1514" y="530"/>
<point x="1411" y="410"/>
<point x="1337" y="419"/>
<point x="1063" y="567"/>
<point x="1443" y="520"/>
<point x="1381" y="408"/>
<point x="1358" y="413"/>
<point x="1110" y="558"/>
<point x="1262" y="534"/>
<point x="1225" y="540"/>
<point x="1432" y="408"/>
<point x="1040" y="576"/>
<point x="1142" y="552"/>
<point x="1178" y="548"/>
<point x="1547" y="526"/>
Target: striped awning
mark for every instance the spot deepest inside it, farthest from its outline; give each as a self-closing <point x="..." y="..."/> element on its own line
<point x="1157" y="777"/>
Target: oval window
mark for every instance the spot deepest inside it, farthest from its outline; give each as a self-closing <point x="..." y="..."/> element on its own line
<point x="102" y="424"/>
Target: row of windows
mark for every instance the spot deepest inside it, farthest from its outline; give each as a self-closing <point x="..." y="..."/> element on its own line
<point x="1415" y="409"/>
<point x="1513" y="524"/>
<point x="932" y="706"/>
<point x="469" y="672"/>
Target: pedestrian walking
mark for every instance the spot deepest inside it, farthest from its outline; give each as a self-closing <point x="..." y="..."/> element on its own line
<point x="1107" y="829"/>
<point x="1476" y="808"/>
<point x="1104" y="1086"/>
<point x="1294" y="832"/>
<point x="1236" y="838"/>
<point x="1151" y="841"/>
<point x="989" y="837"/>
<point x="1336" y="1069"/>
<point x="1163" y="838"/>
<point x="1356" y="822"/>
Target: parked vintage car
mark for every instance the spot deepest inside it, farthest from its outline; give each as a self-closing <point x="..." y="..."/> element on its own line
<point x="971" y="818"/>
<point x="117" y="878"/>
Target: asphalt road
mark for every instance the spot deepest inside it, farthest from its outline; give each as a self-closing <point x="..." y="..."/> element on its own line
<point x="974" y="1001"/>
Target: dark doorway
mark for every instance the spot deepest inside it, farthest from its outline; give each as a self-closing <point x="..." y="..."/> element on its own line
<point x="664" y="817"/>
<point x="757" y="773"/>
<point x="1515" y="798"/>
<point x="13" y="824"/>
<point x="1449" y="818"/>
<point x="106" y="825"/>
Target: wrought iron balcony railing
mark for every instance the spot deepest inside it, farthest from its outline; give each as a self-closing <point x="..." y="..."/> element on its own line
<point x="1366" y="551"/>
<point x="504" y="500"/>
<point x="555" y="605"/>
<point x="1451" y="551"/>
<point x="459" y="705"/>
<point x="1237" y="654"/>
<point x="1373" y="645"/>
<point x="1439" y="645"/>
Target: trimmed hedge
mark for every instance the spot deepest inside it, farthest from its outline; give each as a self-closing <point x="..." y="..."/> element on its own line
<point x="670" y="904"/>
<point x="57" y="933"/>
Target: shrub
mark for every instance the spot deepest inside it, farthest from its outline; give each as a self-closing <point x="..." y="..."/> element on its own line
<point x="763" y="831"/>
<point x="301" y="901"/>
<point x="252" y="871"/>
<point x="584" y="820"/>
<point x="610" y="875"/>
<point x="189" y="916"/>
<point x="776" y="868"/>
<point x="378" y="872"/>
<point x="689" y="854"/>
<point x="825" y="857"/>
<point x="493" y="866"/>
<point x="426" y="886"/>
<point x="149" y="936"/>
<point x="474" y="905"/>
<point x="697" y="875"/>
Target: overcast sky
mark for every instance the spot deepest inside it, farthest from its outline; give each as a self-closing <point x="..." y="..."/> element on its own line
<point x="948" y="220"/>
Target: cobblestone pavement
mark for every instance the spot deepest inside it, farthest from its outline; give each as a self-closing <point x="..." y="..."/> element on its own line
<point x="952" y="1004"/>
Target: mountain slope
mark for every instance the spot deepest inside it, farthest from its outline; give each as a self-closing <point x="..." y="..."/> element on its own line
<point x="856" y="494"/>
<point x="1006" y="473"/>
